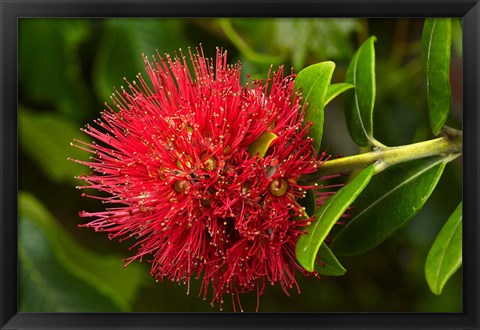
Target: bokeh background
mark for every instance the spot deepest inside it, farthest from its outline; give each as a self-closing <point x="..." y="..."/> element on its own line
<point x="67" y="69"/>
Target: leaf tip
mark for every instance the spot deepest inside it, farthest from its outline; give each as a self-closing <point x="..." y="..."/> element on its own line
<point x="435" y="289"/>
<point x="301" y="251"/>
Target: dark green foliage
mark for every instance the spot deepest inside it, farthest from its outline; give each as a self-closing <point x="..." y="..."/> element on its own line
<point x="360" y="101"/>
<point x="391" y="199"/>
<point x="445" y="256"/>
<point x="436" y="44"/>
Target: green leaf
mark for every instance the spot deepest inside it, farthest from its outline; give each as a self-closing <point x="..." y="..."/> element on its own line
<point x="300" y="37"/>
<point x="45" y="284"/>
<point x="326" y="217"/>
<point x="50" y="66"/>
<point x="105" y="273"/>
<point x="336" y="89"/>
<point x="445" y="256"/>
<point x="308" y="202"/>
<point x="313" y="81"/>
<point x="436" y="44"/>
<point x="46" y="138"/>
<point x="360" y="101"/>
<point x="235" y="38"/>
<point x="457" y="36"/>
<point x="329" y="266"/>
<point x="261" y="144"/>
<point x="391" y="199"/>
<point x="123" y="43"/>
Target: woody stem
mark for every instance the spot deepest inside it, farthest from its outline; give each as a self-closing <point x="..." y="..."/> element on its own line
<point x="450" y="143"/>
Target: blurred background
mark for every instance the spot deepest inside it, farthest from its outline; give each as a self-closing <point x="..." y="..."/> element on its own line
<point x="67" y="69"/>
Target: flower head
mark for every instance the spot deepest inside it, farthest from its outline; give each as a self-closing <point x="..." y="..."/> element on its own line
<point x="177" y="162"/>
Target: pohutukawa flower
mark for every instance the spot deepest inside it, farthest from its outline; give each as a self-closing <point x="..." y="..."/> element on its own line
<point x="179" y="164"/>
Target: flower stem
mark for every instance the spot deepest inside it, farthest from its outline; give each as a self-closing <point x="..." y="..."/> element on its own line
<point x="449" y="143"/>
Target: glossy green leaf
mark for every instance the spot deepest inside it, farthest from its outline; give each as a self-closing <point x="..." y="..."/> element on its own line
<point x="106" y="273"/>
<point x="260" y="146"/>
<point x="327" y="215"/>
<point x="445" y="256"/>
<point x="313" y="81"/>
<point x="45" y="284"/>
<point x="336" y="89"/>
<point x="46" y="139"/>
<point x="436" y="44"/>
<point x="359" y="103"/>
<point x="329" y="266"/>
<point x="391" y="199"/>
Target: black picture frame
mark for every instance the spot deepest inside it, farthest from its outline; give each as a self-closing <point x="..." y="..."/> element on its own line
<point x="11" y="10"/>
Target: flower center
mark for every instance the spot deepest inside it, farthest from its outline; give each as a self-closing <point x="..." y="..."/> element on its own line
<point x="278" y="187"/>
<point x="185" y="162"/>
<point x="210" y="164"/>
<point x="180" y="186"/>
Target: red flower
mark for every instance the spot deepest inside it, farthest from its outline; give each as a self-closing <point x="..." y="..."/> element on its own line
<point x="174" y="161"/>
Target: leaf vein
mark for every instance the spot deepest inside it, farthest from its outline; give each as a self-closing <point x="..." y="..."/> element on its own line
<point x="442" y="259"/>
<point x="396" y="188"/>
